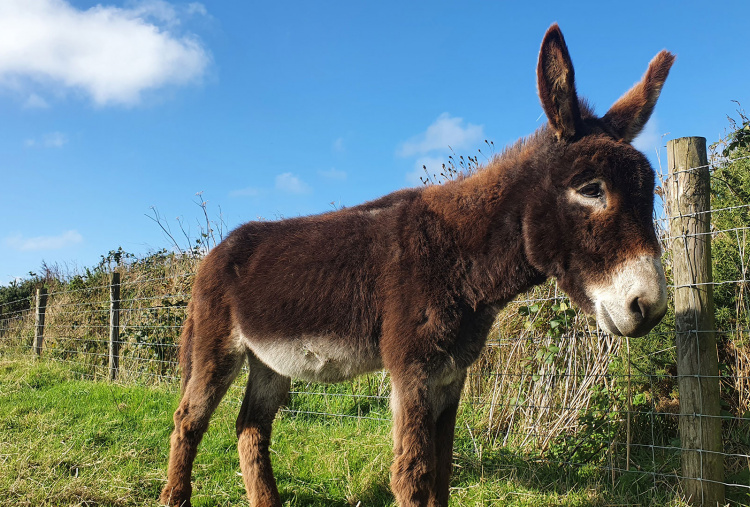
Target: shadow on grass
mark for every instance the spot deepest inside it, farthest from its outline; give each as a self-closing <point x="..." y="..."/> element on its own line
<point x="585" y="484"/>
<point x="499" y="474"/>
<point x="377" y="495"/>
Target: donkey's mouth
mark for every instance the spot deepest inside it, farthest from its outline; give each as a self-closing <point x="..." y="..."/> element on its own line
<point x="627" y="323"/>
<point x="634" y="300"/>
<point x="605" y="321"/>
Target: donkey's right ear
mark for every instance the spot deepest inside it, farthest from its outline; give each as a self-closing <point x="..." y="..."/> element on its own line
<point x="556" y="85"/>
<point x="629" y="114"/>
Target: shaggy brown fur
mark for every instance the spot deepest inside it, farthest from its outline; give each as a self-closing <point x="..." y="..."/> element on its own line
<point x="412" y="282"/>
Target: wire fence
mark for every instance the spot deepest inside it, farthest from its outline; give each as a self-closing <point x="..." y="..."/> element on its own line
<point x="549" y="385"/>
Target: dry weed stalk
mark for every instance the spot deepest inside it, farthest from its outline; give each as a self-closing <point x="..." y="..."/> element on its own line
<point x="530" y="403"/>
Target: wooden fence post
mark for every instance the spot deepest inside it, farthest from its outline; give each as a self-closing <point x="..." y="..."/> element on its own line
<point x="114" y="326"/>
<point x="689" y="212"/>
<point x="41" y="308"/>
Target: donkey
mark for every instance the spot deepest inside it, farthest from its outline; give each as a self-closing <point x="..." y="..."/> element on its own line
<point x="412" y="282"/>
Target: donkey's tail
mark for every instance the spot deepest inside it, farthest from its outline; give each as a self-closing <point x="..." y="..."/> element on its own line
<point x="186" y="349"/>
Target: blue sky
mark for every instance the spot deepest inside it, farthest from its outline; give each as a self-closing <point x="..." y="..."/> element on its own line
<point x="282" y="109"/>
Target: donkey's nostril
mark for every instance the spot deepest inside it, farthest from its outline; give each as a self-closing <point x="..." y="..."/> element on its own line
<point x="638" y="308"/>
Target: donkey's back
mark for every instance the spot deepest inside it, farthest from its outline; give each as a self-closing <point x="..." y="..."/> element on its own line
<point x="304" y="295"/>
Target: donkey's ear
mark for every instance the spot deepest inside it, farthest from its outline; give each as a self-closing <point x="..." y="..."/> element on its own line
<point x="556" y="83"/>
<point x="629" y="114"/>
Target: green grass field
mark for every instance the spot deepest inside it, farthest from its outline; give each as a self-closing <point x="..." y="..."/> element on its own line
<point x="67" y="441"/>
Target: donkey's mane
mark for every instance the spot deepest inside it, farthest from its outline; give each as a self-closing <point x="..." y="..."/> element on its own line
<point x="514" y="153"/>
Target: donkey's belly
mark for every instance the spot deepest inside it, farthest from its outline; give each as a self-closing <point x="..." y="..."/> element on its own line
<point x="315" y="358"/>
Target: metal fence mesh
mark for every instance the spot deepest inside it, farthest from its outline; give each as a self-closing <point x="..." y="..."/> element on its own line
<point x="549" y="383"/>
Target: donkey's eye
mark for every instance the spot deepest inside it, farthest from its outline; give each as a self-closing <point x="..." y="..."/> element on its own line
<point x="592" y="190"/>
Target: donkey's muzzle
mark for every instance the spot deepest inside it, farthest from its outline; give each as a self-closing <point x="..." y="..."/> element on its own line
<point x="635" y="300"/>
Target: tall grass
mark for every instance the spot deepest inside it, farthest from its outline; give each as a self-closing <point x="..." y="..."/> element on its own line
<point x="548" y="385"/>
<point x="66" y="440"/>
<point x="549" y="394"/>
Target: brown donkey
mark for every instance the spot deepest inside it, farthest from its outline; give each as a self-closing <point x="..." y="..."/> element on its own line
<point x="412" y="282"/>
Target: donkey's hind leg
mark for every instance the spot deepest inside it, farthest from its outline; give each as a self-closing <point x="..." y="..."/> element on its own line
<point x="266" y="392"/>
<point x="208" y="383"/>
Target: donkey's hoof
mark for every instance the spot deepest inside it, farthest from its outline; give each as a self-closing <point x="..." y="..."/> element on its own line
<point x="173" y="497"/>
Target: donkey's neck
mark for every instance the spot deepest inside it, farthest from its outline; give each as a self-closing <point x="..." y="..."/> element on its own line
<point x="485" y="213"/>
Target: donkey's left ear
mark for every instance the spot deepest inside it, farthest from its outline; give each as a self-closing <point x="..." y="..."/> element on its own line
<point x="629" y="114"/>
<point x="556" y="85"/>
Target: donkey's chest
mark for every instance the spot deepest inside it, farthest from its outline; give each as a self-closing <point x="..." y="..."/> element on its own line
<point x="316" y="358"/>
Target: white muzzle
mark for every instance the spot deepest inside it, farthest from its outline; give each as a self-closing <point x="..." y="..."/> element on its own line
<point x="634" y="301"/>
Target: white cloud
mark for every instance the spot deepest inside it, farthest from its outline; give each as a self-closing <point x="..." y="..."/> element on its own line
<point x="650" y="139"/>
<point x="197" y="8"/>
<point x="245" y="192"/>
<point x="68" y="238"/>
<point x="111" y="54"/>
<point x="34" y="101"/>
<point x="51" y="140"/>
<point x="55" y="140"/>
<point x="446" y="132"/>
<point x="338" y="145"/>
<point x="159" y="10"/>
<point x="333" y="174"/>
<point x="287" y="182"/>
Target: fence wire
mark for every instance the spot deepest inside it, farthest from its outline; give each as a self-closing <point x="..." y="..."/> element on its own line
<point x="549" y="385"/>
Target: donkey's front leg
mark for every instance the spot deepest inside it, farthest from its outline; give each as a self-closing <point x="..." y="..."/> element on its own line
<point x="414" y="461"/>
<point x="424" y="416"/>
<point x="447" y="394"/>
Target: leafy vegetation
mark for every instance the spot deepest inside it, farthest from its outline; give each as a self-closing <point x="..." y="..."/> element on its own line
<point x="730" y="218"/>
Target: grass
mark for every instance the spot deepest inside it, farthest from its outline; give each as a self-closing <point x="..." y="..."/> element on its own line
<point x="68" y="441"/>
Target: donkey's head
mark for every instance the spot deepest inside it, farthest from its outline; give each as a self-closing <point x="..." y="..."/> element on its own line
<point x="591" y="224"/>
